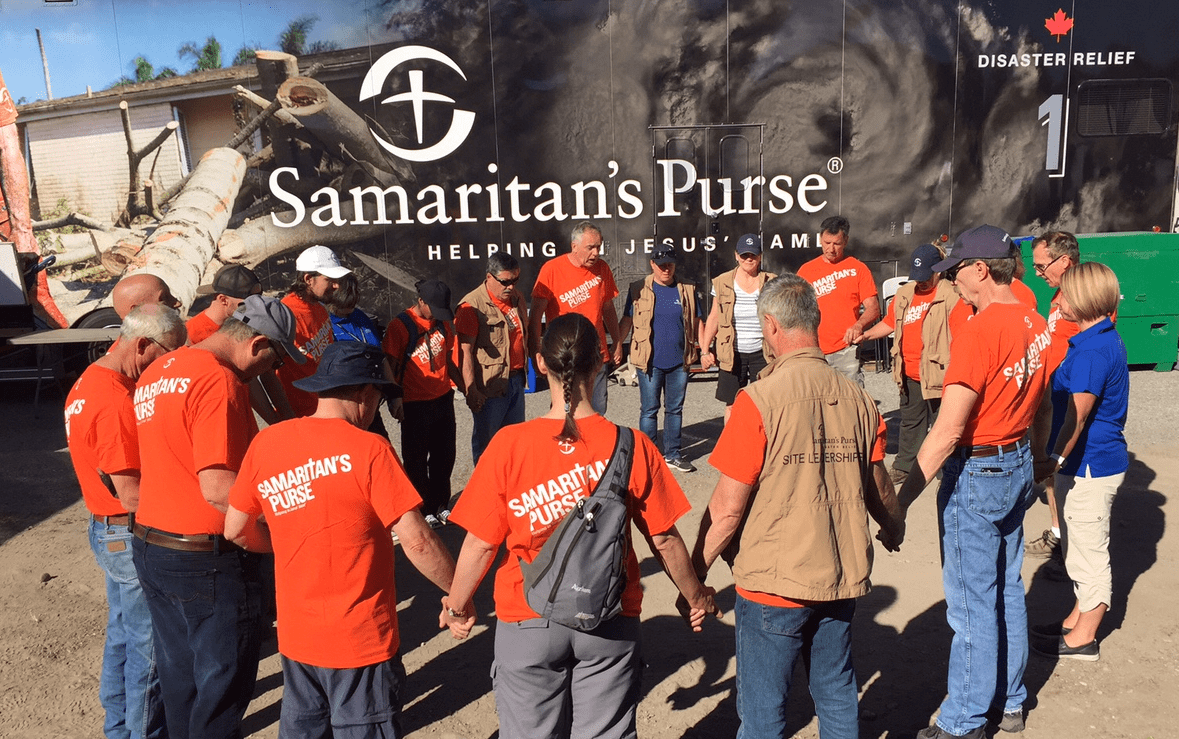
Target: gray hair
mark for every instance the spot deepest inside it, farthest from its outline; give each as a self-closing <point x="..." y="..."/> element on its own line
<point x="582" y="227"/>
<point x="501" y="261"/>
<point x="237" y="330"/>
<point x="154" y="321"/>
<point x="791" y="301"/>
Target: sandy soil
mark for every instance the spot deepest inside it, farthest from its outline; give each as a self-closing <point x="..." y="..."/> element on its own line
<point x="52" y="605"/>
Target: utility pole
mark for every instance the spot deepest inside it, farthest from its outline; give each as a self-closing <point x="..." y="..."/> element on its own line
<point x="45" y="66"/>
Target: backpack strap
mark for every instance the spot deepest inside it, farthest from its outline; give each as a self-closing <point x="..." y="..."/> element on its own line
<point x="616" y="477"/>
<point x="411" y="328"/>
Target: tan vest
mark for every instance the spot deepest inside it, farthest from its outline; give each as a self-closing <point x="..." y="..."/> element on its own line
<point x="726" y="333"/>
<point x="935" y="336"/>
<point x="643" y="314"/>
<point x="805" y="535"/>
<point x="493" y="343"/>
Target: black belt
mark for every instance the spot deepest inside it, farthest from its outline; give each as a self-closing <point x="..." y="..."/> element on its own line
<point x="976" y="452"/>
<point x="123" y="520"/>
<point x="182" y="542"/>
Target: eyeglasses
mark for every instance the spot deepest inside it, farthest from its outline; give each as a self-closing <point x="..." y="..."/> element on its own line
<point x="163" y="346"/>
<point x="748" y="256"/>
<point x="506" y="283"/>
<point x="278" y="354"/>
<point x="952" y="273"/>
<point x="1042" y="268"/>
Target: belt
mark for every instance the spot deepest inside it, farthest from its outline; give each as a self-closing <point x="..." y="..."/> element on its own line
<point x="182" y="543"/>
<point x="123" y="520"/>
<point x="976" y="452"/>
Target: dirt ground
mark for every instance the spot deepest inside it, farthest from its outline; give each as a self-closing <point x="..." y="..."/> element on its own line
<point x="53" y="607"/>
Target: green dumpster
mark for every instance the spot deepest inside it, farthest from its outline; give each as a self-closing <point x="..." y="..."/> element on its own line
<point x="1147" y="266"/>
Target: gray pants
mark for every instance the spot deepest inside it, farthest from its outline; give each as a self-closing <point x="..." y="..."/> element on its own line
<point x="848" y="364"/>
<point x="553" y="681"/>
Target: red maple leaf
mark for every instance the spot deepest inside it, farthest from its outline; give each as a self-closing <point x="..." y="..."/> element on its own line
<point x="1059" y="24"/>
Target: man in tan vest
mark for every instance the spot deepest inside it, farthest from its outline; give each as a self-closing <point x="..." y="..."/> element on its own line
<point x="810" y="443"/>
<point x="492" y="324"/>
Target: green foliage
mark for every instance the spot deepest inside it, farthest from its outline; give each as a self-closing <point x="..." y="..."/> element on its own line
<point x="244" y="55"/>
<point x="207" y="56"/>
<point x="293" y="40"/>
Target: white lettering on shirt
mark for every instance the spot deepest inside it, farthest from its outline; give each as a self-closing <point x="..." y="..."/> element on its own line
<point x="581" y="293"/>
<point x="145" y="395"/>
<point x="825" y="285"/>
<point x="1024" y="368"/>
<point x="291" y="490"/>
<point x="546" y="503"/>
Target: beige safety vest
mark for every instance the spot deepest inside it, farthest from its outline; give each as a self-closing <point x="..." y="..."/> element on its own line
<point x="726" y="333"/>
<point x="493" y="343"/>
<point x="643" y="314"/>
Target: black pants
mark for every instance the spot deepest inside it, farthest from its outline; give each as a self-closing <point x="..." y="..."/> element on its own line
<point x="917" y="415"/>
<point x="427" y="449"/>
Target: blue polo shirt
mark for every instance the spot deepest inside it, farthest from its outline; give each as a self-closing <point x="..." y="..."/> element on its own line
<point x="1095" y="364"/>
<point x="667" y="326"/>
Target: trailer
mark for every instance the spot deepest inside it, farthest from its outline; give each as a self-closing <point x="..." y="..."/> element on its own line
<point x="500" y="124"/>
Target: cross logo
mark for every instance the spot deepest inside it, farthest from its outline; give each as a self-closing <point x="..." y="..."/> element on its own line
<point x="565" y="447"/>
<point x="374" y="82"/>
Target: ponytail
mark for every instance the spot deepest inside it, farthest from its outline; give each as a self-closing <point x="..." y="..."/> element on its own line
<point x="572" y="354"/>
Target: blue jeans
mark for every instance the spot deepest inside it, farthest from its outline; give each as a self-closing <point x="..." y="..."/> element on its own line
<point x="769" y="640"/>
<point x="673" y="384"/>
<point x="129" y="687"/>
<point x="205" y="612"/>
<point x="351" y="703"/>
<point x="980" y="517"/>
<point x="497" y="413"/>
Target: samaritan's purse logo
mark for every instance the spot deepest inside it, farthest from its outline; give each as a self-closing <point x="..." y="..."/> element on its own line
<point x="374" y="82"/>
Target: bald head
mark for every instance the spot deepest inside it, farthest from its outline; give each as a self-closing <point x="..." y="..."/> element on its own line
<point x="141" y="289"/>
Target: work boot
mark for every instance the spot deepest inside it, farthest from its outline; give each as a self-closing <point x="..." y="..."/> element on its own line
<point x="1048" y="545"/>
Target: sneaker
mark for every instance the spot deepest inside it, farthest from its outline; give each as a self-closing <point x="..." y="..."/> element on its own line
<point x="1012" y="721"/>
<point x="679" y="463"/>
<point x="1048" y="545"/>
<point x="444" y="516"/>
<point x="433" y="521"/>
<point x="933" y="731"/>
<point x="1050" y="630"/>
<point x="1086" y="652"/>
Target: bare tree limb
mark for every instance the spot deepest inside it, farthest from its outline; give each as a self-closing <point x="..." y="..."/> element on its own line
<point x="71" y="219"/>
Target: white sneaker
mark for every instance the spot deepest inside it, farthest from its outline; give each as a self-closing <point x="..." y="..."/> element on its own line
<point x="433" y="521"/>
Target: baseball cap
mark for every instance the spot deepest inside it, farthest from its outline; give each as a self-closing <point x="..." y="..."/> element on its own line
<point x="749" y="244"/>
<point x="322" y="260"/>
<point x="346" y="363"/>
<point x="233" y="280"/>
<point x="269" y="317"/>
<point x="663" y="255"/>
<point x="980" y="242"/>
<point x="922" y="261"/>
<point x="436" y="294"/>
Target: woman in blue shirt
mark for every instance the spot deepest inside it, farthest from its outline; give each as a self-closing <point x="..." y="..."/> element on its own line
<point x="1091" y="391"/>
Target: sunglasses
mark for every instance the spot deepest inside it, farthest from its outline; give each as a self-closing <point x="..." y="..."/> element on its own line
<point x="278" y="354"/>
<point x="506" y="283"/>
<point x="1042" y="268"/>
<point x="952" y="273"/>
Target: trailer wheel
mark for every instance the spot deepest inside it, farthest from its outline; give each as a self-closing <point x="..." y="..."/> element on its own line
<point x="101" y="318"/>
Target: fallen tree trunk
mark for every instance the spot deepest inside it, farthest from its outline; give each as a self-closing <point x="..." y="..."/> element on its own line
<point x="259" y="240"/>
<point x="184" y="243"/>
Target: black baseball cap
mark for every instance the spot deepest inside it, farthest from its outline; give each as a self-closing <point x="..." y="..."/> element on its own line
<point x="749" y="244"/>
<point x="346" y="363"/>
<point x="436" y="294"/>
<point x="233" y="280"/>
<point x="663" y="255"/>
<point x="980" y="242"/>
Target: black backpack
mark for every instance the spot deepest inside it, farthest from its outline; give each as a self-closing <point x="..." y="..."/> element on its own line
<point x="579" y="574"/>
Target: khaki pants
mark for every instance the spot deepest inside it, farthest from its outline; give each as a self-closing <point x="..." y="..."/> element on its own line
<point x="1084" y="504"/>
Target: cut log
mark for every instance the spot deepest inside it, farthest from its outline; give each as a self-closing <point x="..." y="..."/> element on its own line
<point x="259" y="240"/>
<point x="275" y="68"/>
<point x="335" y="124"/>
<point x="184" y="243"/>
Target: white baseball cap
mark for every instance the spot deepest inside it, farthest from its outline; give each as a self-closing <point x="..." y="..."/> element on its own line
<point x="322" y="260"/>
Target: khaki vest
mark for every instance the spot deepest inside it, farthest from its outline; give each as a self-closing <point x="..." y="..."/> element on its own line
<point x="805" y="535"/>
<point x="493" y="343"/>
<point x="642" y="297"/>
<point x="726" y="334"/>
<point x="935" y="336"/>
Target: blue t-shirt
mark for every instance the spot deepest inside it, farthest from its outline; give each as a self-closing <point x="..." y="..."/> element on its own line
<point x="1095" y="364"/>
<point x="667" y="326"/>
<point x="356" y="326"/>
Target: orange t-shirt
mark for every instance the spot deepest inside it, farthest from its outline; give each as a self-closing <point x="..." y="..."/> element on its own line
<point x="100" y="431"/>
<point x="572" y="289"/>
<point x="1001" y="355"/>
<point x="200" y="327"/>
<point x="1024" y="293"/>
<point x="329" y="492"/>
<point x="425" y="376"/>
<point x="466" y="323"/>
<point x="740" y="454"/>
<point x="842" y="287"/>
<point x="193" y="414"/>
<point x="963" y="311"/>
<point x="521" y="497"/>
<point x="313" y="332"/>
<point x="1062" y="330"/>
<point x="911" y="341"/>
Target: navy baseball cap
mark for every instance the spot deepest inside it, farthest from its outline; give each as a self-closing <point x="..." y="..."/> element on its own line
<point x="980" y="242"/>
<point x="436" y="294"/>
<point x="346" y="363"/>
<point x="749" y="244"/>
<point x="922" y="261"/>
<point x="663" y="255"/>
